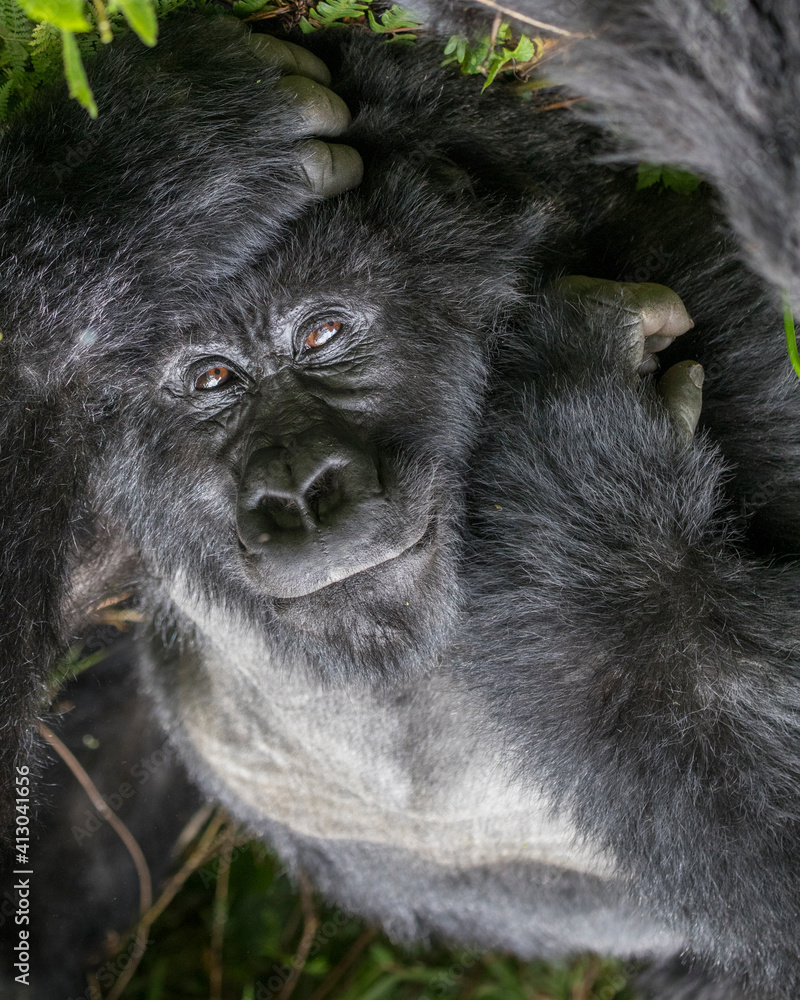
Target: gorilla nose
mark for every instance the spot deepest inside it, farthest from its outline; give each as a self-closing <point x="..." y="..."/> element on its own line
<point x="316" y="513"/>
<point x="297" y="491"/>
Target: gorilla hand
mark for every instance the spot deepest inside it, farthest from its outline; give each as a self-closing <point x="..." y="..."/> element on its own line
<point x="652" y="316"/>
<point x="329" y="168"/>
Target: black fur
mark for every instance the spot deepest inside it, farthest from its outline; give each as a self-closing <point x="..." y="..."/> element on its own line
<point x="624" y="606"/>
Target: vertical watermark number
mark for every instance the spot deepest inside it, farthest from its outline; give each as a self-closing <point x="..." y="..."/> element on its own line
<point x="23" y="872"/>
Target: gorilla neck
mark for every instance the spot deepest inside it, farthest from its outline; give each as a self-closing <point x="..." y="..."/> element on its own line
<point x="409" y="765"/>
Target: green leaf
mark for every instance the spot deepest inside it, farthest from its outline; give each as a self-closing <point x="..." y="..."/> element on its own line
<point x="394" y="19"/>
<point x="46" y="51"/>
<point x="15" y="32"/>
<point x="381" y="955"/>
<point x="679" y="180"/>
<point x="477" y="57"/>
<point x="76" y="75"/>
<point x="375" y="24"/>
<point x="318" y="966"/>
<point x="65" y="14"/>
<point x="524" y="52"/>
<point x="452" y="44"/>
<point x="647" y="175"/>
<point x="672" y="178"/>
<point x="338" y="10"/>
<point x="13" y="21"/>
<point x="791" y="339"/>
<point x="246" y="7"/>
<point x="495" y="64"/>
<point x="306" y="26"/>
<point x="141" y="16"/>
<point x="6" y="92"/>
<point x="384" y="986"/>
<point x="14" y="55"/>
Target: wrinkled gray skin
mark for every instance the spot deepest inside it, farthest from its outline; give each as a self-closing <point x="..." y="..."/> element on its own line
<point x="441" y="594"/>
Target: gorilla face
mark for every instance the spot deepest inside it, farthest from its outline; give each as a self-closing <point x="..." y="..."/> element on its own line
<point x="302" y="437"/>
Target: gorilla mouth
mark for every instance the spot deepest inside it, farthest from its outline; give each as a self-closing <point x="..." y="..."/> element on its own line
<point x="309" y="562"/>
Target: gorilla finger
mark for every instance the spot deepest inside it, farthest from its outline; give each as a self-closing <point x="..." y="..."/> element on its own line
<point x="681" y="389"/>
<point x="330" y="168"/>
<point x="663" y="314"/>
<point x="656" y="342"/>
<point x="321" y="111"/>
<point x="289" y="58"/>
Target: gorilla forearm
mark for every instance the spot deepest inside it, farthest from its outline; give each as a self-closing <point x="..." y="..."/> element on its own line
<point x="711" y="87"/>
<point x="650" y="678"/>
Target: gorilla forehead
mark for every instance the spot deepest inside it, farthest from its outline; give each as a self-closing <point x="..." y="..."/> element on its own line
<point x="403" y="246"/>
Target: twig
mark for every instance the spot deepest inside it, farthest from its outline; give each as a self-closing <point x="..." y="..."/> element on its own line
<point x="192" y="829"/>
<point x="336" y="973"/>
<point x="498" y="20"/>
<point x="493" y="5"/>
<point x="290" y="926"/>
<point x="309" y="930"/>
<point x="582" y="990"/>
<point x="137" y="953"/>
<point x="209" y="842"/>
<point x="263" y="15"/>
<point x="108" y="814"/>
<point x="566" y="103"/>
<point x="220" y="915"/>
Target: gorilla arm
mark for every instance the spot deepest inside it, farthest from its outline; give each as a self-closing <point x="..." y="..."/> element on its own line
<point x="648" y="668"/>
<point x="107" y="226"/>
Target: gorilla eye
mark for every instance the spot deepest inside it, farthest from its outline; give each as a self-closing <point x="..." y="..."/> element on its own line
<point x="213" y="377"/>
<point x="322" y="334"/>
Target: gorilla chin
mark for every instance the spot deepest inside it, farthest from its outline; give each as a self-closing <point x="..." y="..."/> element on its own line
<point x="381" y="623"/>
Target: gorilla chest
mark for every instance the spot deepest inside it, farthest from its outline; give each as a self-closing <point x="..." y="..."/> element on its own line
<point x="414" y="769"/>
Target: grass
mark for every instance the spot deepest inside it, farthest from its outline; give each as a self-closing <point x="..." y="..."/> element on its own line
<point x="239" y="929"/>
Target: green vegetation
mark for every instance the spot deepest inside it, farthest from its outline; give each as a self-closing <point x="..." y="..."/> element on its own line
<point x="240" y="930"/>
<point x="669" y="178"/>
<point x="41" y="39"/>
<point x="791" y="339"/>
<point x="496" y="53"/>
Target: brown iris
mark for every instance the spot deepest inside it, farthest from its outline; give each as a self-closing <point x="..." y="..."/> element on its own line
<point x="213" y="377"/>
<point x="322" y="334"/>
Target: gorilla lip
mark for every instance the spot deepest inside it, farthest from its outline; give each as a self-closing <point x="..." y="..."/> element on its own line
<point x="322" y="577"/>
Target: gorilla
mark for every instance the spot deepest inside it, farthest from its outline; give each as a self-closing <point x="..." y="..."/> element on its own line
<point x="444" y="595"/>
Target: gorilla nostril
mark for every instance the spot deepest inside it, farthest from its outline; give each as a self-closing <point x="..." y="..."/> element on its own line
<point x="325" y="495"/>
<point x="305" y="499"/>
<point x="279" y="514"/>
